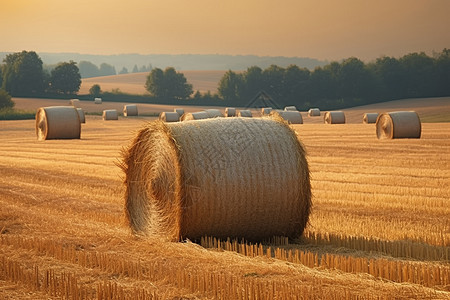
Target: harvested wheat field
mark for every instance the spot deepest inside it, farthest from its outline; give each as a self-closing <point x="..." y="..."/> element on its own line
<point x="379" y="227"/>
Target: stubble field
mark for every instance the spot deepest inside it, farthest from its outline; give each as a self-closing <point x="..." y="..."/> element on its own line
<point x="379" y="228"/>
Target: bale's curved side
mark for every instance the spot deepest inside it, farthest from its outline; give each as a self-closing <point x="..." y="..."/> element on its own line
<point x="81" y="115"/>
<point x="130" y="110"/>
<point x="97" y="100"/>
<point x="313" y="112"/>
<point x="179" y="111"/>
<point x="110" y="114"/>
<point x="334" y="117"/>
<point x="224" y="177"/>
<point x="400" y="124"/>
<point x="57" y="122"/>
<point x="292" y="117"/>
<point x="169" y="116"/>
<point x="230" y="112"/>
<point x="194" y="116"/>
<point x="246" y="113"/>
<point x="213" y="113"/>
<point x="290" y="108"/>
<point x="370" y="118"/>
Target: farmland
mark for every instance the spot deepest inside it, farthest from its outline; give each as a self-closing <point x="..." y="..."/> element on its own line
<point x="379" y="227"/>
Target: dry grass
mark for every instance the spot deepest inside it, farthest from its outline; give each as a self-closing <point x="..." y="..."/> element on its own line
<point x="379" y="225"/>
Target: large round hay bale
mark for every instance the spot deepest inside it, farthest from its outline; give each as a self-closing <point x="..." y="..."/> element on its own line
<point x="97" y="100"/>
<point x="246" y="113"/>
<point x="290" y="108"/>
<point x="334" y="117"/>
<point x="292" y="117"/>
<point x="130" y="110"/>
<point x="370" y="118"/>
<point x="169" y="116"/>
<point x="230" y="112"/>
<point x="313" y="112"/>
<point x="110" y="114"/>
<point x="213" y="113"/>
<point x="179" y="111"/>
<point x="223" y="177"/>
<point x="399" y="124"/>
<point x="195" y="116"/>
<point x="75" y="102"/>
<point x="81" y="115"/>
<point x="57" y="122"/>
<point x="265" y="111"/>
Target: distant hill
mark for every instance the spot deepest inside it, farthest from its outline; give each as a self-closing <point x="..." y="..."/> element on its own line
<point x="181" y="61"/>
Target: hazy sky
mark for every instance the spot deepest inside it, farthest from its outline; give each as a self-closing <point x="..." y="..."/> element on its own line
<point x="323" y="29"/>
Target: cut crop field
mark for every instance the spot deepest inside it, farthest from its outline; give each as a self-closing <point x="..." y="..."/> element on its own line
<point x="379" y="228"/>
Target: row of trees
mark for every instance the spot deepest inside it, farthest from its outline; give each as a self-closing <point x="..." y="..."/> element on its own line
<point x="348" y="83"/>
<point x="88" y="69"/>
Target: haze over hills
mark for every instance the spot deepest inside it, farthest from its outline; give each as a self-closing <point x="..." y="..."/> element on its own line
<point x="180" y="61"/>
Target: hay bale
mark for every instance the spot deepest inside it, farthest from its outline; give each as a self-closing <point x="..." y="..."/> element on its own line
<point x="230" y="112"/>
<point x="170" y="116"/>
<point x="313" y="112"/>
<point x="246" y="113"/>
<point x="369" y="118"/>
<point x="290" y="108"/>
<point x="265" y="111"/>
<point x="195" y="116"/>
<point x="57" y="122"/>
<point x="399" y="124"/>
<point x="75" y="102"/>
<point x="292" y="117"/>
<point x="110" y="114"/>
<point x="97" y="100"/>
<point x="223" y="177"/>
<point x="130" y="110"/>
<point x="334" y="117"/>
<point x="213" y="113"/>
<point x="81" y="115"/>
<point x="179" y="111"/>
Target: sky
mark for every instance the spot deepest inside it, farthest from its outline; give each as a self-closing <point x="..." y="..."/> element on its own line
<point x="321" y="29"/>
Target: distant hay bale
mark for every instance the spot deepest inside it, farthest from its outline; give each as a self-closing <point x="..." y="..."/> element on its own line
<point x="81" y="115"/>
<point x="290" y="108"/>
<point x="110" y="114"/>
<point x="58" y="122"/>
<point x="266" y="111"/>
<point x="213" y="113"/>
<point x="222" y="177"/>
<point x="313" y="112"/>
<point x="169" y="116"/>
<point x="75" y="102"/>
<point x="230" y="112"/>
<point x="246" y="113"/>
<point x="179" y="111"/>
<point x="370" y="118"/>
<point x="97" y="100"/>
<point x="334" y="117"/>
<point x="195" y="116"/>
<point x="130" y="110"/>
<point x="292" y="117"/>
<point x="399" y="124"/>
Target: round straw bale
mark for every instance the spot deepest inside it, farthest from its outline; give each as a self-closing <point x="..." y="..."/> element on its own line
<point x="110" y="114"/>
<point x="130" y="110"/>
<point x="266" y="111"/>
<point x="290" y="108"/>
<point x="245" y="113"/>
<point x="58" y="122"/>
<point x="194" y="116"/>
<point x="313" y="112"/>
<point x="97" y="100"/>
<point x="399" y="124"/>
<point x="230" y="112"/>
<point x="334" y="117"/>
<point x="169" y="116"/>
<point x="369" y="118"/>
<point x="179" y="111"/>
<point x="75" y="102"/>
<point x="81" y="115"/>
<point x="213" y="113"/>
<point x="292" y="117"/>
<point x="223" y="177"/>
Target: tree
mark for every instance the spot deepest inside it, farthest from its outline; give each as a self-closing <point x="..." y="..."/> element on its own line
<point x="66" y="78"/>
<point x="1" y="75"/>
<point x="229" y="86"/>
<point x="88" y="69"/>
<point x="135" y="69"/>
<point x="95" y="90"/>
<point x="5" y="100"/>
<point x="23" y="74"/>
<point x="106" y="70"/>
<point x="123" y="71"/>
<point x="168" y="84"/>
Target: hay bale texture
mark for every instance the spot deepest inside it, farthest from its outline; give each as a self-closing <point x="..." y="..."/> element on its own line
<point x="169" y="116"/>
<point x="222" y="177"/>
<point x="81" y="115"/>
<point x="292" y="117"/>
<point x="195" y="116"/>
<point x="370" y="118"/>
<point x="97" y="100"/>
<point x="179" y="111"/>
<point x="213" y="113"/>
<point x="334" y="117"/>
<point x="314" y="112"/>
<point x="245" y="113"/>
<point x="130" y="110"/>
<point x="399" y="124"/>
<point x="57" y="122"/>
<point x="110" y="114"/>
<point x="230" y="112"/>
<point x="265" y="111"/>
